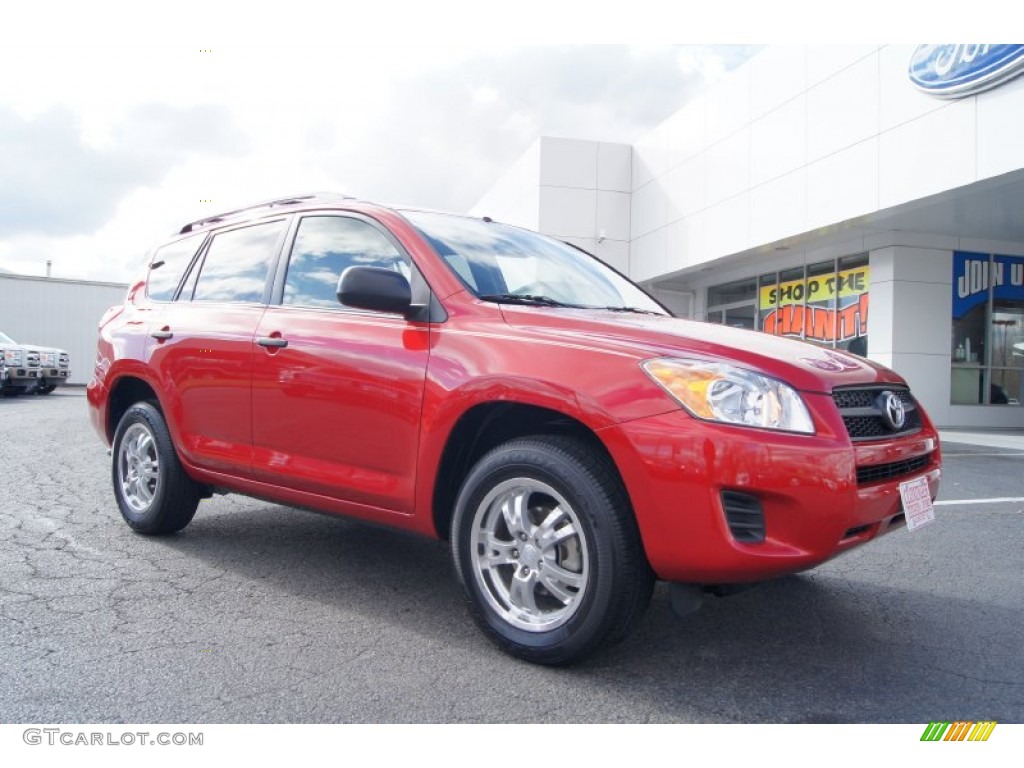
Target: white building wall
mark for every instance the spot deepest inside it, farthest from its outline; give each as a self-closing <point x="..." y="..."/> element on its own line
<point x="575" y="190"/>
<point x="58" y="313"/>
<point x="909" y="321"/>
<point x="800" y="138"/>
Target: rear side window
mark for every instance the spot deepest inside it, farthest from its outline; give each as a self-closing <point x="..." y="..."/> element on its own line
<point x="237" y="263"/>
<point x="325" y="246"/>
<point x="168" y="265"/>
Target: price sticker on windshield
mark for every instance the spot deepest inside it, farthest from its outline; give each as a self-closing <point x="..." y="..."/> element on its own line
<point x="917" y="502"/>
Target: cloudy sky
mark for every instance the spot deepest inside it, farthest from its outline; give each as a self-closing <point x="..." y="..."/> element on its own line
<point x="120" y="121"/>
<point x="105" y="147"/>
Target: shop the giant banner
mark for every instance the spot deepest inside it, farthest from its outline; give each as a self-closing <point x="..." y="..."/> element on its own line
<point x="826" y="308"/>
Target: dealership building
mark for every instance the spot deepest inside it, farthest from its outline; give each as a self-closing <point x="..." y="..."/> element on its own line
<point x="868" y="198"/>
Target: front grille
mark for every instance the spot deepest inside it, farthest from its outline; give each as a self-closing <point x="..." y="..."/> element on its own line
<point x="876" y="472"/>
<point x="863" y="415"/>
<point x="32" y="359"/>
<point x="875" y="427"/>
<point x="864" y="397"/>
<point x="744" y="515"/>
<point x="65" y="360"/>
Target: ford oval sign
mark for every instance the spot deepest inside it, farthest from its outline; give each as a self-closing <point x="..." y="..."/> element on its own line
<point x="952" y="70"/>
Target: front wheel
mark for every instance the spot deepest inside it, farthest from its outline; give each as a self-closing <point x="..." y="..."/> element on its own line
<point x="547" y="549"/>
<point x="152" y="490"/>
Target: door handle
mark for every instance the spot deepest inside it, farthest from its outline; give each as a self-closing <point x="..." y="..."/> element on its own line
<point x="272" y="341"/>
<point x="163" y="334"/>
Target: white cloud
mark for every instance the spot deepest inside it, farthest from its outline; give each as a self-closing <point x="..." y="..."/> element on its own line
<point x="103" y="151"/>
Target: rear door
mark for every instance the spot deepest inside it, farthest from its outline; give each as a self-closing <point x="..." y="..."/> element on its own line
<point x="201" y="346"/>
<point x="337" y="392"/>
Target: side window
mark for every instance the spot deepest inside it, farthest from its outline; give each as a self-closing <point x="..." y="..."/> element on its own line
<point x="237" y="262"/>
<point x="325" y="246"/>
<point x="168" y="265"/>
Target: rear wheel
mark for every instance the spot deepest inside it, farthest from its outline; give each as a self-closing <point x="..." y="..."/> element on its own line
<point x="547" y="549"/>
<point x="153" y="492"/>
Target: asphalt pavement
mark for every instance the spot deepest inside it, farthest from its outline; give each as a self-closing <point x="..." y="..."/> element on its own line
<point x="261" y="613"/>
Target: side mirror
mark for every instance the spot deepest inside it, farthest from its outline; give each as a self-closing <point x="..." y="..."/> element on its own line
<point x="381" y="290"/>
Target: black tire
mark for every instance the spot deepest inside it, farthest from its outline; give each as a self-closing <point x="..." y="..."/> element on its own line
<point x="45" y="389"/>
<point x="13" y="391"/>
<point x="547" y="549"/>
<point x="153" y="492"/>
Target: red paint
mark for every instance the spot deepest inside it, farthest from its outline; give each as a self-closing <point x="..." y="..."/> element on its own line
<point x="353" y="415"/>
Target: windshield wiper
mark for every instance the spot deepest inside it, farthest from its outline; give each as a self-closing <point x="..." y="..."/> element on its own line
<point x="525" y="298"/>
<point x="637" y="310"/>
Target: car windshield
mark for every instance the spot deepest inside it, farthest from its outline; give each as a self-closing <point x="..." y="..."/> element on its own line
<point x="507" y="264"/>
<point x="5" y="339"/>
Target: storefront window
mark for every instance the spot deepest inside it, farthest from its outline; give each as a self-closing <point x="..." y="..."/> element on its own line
<point x="733" y="293"/>
<point x="825" y="303"/>
<point x="734" y="304"/>
<point x="987" y="344"/>
<point x="767" y="293"/>
<point x="741" y="317"/>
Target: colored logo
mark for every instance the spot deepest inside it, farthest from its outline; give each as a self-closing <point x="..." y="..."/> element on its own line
<point x="892" y="410"/>
<point x="954" y="70"/>
<point x="959" y="731"/>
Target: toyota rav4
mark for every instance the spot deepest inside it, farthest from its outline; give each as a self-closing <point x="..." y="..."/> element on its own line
<point x="481" y="383"/>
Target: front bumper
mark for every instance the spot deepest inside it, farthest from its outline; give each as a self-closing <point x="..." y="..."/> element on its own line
<point x="54" y="375"/>
<point x="21" y="376"/>
<point x="812" y="504"/>
<point x="97" y="397"/>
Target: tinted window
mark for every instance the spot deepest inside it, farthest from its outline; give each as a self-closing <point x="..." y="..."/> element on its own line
<point x="237" y="262"/>
<point x="325" y="246"/>
<point x="168" y="265"/>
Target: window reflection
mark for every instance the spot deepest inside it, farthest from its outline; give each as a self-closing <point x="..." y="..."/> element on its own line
<point x="326" y="246"/>
<point x="496" y="259"/>
<point x="237" y="262"/>
<point x="167" y="266"/>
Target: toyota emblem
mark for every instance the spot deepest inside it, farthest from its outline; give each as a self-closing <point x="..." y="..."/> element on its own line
<point x="892" y="410"/>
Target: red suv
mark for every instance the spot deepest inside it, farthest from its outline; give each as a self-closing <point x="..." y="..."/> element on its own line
<point x="485" y="384"/>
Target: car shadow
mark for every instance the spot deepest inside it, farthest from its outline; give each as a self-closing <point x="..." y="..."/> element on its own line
<point x="834" y="645"/>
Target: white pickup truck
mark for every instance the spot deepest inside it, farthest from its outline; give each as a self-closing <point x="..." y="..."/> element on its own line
<point x="27" y="368"/>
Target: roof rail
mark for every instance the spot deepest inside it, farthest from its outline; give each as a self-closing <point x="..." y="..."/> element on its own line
<point x="280" y="202"/>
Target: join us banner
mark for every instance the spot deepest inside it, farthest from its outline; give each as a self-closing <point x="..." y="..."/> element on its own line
<point x="973" y="273"/>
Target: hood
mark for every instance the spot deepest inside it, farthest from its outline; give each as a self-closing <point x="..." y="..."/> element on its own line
<point x="801" y="364"/>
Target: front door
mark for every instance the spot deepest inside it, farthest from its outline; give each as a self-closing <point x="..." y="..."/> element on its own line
<point x="337" y="392"/>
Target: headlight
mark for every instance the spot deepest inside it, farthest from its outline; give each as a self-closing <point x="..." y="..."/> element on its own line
<point x="721" y="392"/>
<point x="12" y="356"/>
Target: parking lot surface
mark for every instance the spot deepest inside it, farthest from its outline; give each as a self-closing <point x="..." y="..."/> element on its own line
<point x="262" y="613"/>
